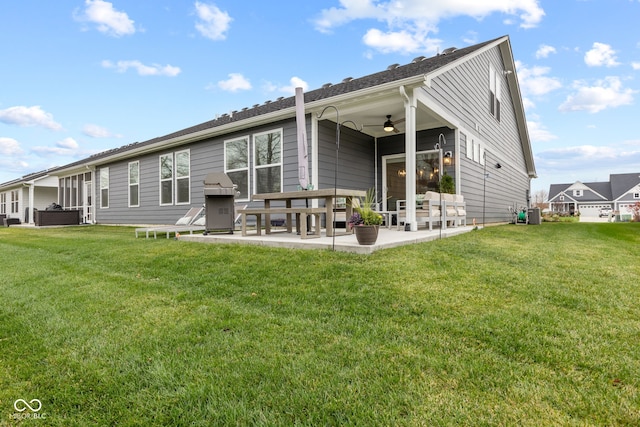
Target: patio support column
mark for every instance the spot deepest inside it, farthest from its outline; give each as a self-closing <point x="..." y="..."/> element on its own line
<point x="32" y="212"/>
<point x="410" y="106"/>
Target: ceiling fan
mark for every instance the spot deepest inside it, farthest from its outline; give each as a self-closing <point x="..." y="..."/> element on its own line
<point x="390" y="125"/>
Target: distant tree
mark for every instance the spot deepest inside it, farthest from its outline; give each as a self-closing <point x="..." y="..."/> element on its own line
<point x="540" y="199"/>
<point x="635" y="212"/>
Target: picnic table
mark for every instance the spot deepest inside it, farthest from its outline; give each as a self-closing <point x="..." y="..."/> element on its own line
<point x="328" y="195"/>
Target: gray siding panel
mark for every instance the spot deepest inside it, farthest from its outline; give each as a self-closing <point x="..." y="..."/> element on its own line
<point x="356" y="158"/>
<point x="464" y="92"/>
<point x="206" y="156"/>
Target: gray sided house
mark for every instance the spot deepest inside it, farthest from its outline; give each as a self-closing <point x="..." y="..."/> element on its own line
<point x="459" y="112"/>
<point x="619" y="194"/>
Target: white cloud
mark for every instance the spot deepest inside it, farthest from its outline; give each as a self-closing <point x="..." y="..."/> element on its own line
<point x="400" y="41"/>
<point x="538" y="133"/>
<point x="68" y="144"/>
<point x="412" y="21"/>
<point x="142" y="69"/>
<point x="607" y="93"/>
<point x="108" y="20"/>
<point x="635" y="65"/>
<point x="589" y="152"/>
<point x="95" y="131"/>
<point x="213" y="23"/>
<point x="29" y="117"/>
<point x="601" y="54"/>
<point x="528" y="103"/>
<point x="10" y="147"/>
<point x="584" y="162"/>
<point x="294" y="82"/>
<point x="632" y="142"/>
<point x="544" y="51"/>
<point x="65" y="147"/>
<point x="471" y="37"/>
<point x="534" y="81"/>
<point x="235" y="83"/>
<point x="289" y="89"/>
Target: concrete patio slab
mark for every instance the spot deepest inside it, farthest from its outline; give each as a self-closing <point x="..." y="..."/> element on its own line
<point x="387" y="238"/>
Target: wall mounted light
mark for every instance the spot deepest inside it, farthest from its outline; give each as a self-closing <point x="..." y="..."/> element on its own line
<point x="447" y="160"/>
<point x="498" y="165"/>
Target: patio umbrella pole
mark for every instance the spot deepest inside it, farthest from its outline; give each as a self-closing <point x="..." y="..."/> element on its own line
<point x="303" y="173"/>
<point x="335" y="172"/>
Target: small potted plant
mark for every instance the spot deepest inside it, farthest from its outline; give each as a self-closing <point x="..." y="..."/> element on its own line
<point x="447" y="185"/>
<point x="365" y="221"/>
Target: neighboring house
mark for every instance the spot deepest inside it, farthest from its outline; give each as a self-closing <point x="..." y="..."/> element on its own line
<point x="37" y="190"/>
<point x="619" y="194"/>
<point x="459" y="112"/>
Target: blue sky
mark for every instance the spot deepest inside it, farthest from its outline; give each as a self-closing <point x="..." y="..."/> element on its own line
<point x="79" y="77"/>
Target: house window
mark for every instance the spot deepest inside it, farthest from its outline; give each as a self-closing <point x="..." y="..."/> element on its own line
<point x="15" y="204"/>
<point x="3" y="203"/>
<point x="268" y="162"/>
<point x="183" y="177"/>
<point x="71" y="191"/>
<point x="475" y="150"/>
<point x="74" y="190"/>
<point x="178" y="171"/>
<point x="495" y="84"/>
<point x="67" y="191"/>
<point x="166" y="179"/>
<point x="577" y="193"/>
<point x="636" y="195"/>
<point x="104" y="187"/>
<point x="236" y="164"/>
<point x="134" y="184"/>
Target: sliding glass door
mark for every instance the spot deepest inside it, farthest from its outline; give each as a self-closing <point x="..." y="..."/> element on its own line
<point x="394" y="176"/>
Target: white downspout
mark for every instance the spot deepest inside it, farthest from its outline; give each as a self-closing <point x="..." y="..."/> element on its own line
<point x="381" y="204"/>
<point x="410" y="106"/>
<point x="315" y="175"/>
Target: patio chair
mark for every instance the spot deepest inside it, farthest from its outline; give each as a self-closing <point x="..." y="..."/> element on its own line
<point x="429" y="213"/>
<point x="461" y="209"/>
<point x="450" y="211"/>
<point x="185" y="223"/>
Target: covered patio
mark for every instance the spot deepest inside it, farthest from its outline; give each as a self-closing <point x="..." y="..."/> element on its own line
<point x="387" y="238"/>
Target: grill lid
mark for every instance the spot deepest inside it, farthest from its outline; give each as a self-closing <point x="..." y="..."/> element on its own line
<point x="219" y="192"/>
<point x="218" y="184"/>
<point x="217" y="180"/>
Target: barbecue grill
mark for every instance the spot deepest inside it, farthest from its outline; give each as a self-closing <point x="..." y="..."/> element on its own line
<point x="219" y="200"/>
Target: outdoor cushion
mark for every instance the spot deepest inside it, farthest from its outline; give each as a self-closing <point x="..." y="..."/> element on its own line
<point x="185" y="220"/>
<point x="449" y="200"/>
<point x="460" y="205"/>
<point x="431" y="195"/>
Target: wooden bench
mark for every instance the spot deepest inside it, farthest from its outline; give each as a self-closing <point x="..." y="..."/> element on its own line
<point x="301" y="219"/>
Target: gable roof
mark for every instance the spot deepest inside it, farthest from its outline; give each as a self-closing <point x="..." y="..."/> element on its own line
<point x="617" y="186"/>
<point x="284" y="107"/>
<point x="621" y="184"/>
<point x="418" y="67"/>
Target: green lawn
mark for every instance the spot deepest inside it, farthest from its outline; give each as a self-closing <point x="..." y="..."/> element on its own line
<point x="510" y="325"/>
